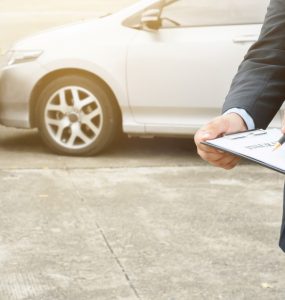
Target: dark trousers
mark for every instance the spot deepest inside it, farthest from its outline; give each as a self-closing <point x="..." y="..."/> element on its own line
<point x="282" y="233"/>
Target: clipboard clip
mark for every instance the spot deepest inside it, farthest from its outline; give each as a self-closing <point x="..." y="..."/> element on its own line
<point x="245" y="134"/>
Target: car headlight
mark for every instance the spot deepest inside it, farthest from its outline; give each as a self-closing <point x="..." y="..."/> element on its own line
<point x="21" y="56"/>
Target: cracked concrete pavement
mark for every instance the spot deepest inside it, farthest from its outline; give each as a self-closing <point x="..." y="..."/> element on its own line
<point x="145" y="220"/>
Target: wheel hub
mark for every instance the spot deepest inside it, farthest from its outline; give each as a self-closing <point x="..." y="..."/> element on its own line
<point x="73" y="117"/>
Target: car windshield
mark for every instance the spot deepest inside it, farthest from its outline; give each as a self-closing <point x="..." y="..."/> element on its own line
<point x="215" y="12"/>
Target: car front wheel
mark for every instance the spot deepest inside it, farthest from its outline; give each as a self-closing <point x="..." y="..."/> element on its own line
<point x="76" y="116"/>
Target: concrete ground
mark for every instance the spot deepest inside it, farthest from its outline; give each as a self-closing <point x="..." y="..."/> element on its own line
<point x="145" y="220"/>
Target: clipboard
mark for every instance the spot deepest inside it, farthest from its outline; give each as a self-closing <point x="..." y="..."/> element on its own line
<point x="254" y="145"/>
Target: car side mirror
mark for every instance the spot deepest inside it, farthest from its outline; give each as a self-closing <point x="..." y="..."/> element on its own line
<point x="150" y="19"/>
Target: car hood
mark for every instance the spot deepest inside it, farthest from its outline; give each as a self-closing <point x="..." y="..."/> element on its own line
<point x="58" y="35"/>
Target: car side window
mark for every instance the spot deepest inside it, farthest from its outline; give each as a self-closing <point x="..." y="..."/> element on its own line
<point x="214" y="12"/>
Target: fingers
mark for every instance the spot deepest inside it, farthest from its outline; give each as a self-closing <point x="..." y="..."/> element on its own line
<point x="214" y="129"/>
<point x="211" y="131"/>
<point x="212" y="156"/>
<point x="207" y="149"/>
<point x="219" y="159"/>
<point x="227" y="163"/>
<point x="232" y="164"/>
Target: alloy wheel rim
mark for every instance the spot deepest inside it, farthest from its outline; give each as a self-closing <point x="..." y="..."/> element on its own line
<point x="73" y="117"/>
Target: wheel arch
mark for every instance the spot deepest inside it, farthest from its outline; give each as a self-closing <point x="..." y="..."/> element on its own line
<point x="64" y="72"/>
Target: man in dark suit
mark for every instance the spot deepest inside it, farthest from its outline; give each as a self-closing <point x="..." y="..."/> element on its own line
<point x="256" y="94"/>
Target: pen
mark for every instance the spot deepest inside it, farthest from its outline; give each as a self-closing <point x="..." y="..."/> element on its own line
<point x="280" y="142"/>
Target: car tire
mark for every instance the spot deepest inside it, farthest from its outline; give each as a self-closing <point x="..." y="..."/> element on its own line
<point x="77" y="116"/>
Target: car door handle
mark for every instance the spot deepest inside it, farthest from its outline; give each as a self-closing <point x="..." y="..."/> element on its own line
<point x="245" y="39"/>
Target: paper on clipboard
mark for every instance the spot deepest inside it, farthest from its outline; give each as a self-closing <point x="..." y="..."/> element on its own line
<point x="255" y="145"/>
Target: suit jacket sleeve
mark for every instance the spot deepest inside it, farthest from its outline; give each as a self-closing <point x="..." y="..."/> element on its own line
<point x="259" y="85"/>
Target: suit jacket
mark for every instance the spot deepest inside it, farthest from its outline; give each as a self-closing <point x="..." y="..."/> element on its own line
<point x="259" y="85"/>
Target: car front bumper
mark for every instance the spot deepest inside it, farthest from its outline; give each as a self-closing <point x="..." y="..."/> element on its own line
<point x="16" y="86"/>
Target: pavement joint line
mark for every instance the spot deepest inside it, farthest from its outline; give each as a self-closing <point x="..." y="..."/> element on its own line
<point x="97" y="169"/>
<point x="109" y="168"/>
<point x="103" y="235"/>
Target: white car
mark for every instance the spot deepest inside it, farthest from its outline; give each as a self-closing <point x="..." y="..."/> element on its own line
<point x="155" y="68"/>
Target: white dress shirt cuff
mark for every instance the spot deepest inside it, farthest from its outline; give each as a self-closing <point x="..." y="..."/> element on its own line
<point x="244" y="114"/>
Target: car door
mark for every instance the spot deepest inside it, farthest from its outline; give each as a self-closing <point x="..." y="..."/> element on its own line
<point x="178" y="76"/>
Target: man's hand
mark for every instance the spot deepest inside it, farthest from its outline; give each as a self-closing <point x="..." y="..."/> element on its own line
<point x="225" y="124"/>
